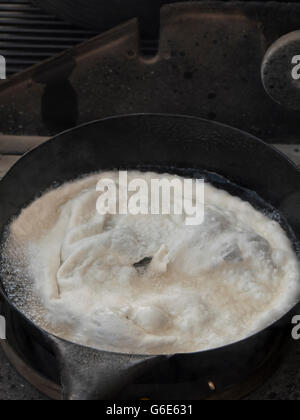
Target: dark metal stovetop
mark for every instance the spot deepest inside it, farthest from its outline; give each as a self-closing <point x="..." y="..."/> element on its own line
<point x="208" y="65"/>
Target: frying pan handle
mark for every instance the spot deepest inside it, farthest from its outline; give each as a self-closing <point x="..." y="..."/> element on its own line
<point x="88" y="374"/>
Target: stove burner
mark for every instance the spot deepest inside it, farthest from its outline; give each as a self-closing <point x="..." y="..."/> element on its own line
<point x="28" y="35"/>
<point x="44" y="385"/>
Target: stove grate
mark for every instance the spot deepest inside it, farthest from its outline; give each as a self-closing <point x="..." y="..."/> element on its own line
<point x="29" y="35"/>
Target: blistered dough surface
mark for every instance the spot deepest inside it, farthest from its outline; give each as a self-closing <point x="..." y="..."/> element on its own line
<point x="202" y="286"/>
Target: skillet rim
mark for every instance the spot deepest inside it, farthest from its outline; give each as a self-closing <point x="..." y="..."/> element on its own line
<point x="250" y="137"/>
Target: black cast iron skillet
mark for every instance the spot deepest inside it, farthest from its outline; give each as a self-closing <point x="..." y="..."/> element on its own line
<point x="176" y="144"/>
